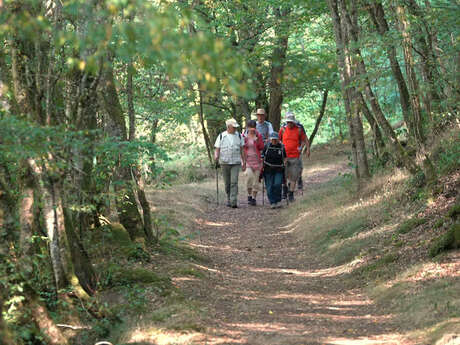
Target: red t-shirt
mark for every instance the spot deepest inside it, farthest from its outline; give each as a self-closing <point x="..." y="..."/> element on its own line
<point x="292" y="140"/>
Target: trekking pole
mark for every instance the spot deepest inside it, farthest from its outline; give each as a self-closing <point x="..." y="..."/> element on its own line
<point x="263" y="192"/>
<point x="217" y="183"/>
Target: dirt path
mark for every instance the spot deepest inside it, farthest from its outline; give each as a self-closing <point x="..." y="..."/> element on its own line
<point x="265" y="287"/>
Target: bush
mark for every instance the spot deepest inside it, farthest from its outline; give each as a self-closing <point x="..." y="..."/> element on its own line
<point x="410" y="224"/>
<point x="449" y="240"/>
<point x="454" y="211"/>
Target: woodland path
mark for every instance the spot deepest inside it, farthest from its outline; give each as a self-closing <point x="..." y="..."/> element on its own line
<point x="265" y="287"/>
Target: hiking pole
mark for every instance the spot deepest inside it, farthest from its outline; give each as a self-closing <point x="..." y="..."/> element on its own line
<point x="263" y="193"/>
<point x="217" y="183"/>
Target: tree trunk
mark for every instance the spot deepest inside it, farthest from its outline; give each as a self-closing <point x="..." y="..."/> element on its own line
<point x="398" y="150"/>
<point x="344" y="75"/>
<point x="126" y="205"/>
<point x="277" y="69"/>
<point x="320" y="117"/>
<point x="417" y="130"/>
<point x="130" y="94"/>
<point x="379" y="144"/>
<point x="207" y="141"/>
<point x="377" y="15"/>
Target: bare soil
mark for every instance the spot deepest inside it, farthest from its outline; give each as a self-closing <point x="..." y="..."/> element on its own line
<point x="265" y="287"/>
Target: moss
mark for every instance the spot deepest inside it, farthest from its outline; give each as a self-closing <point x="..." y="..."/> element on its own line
<point x="454" y="211"/>
<point x="449" y="240"/>
<point x="439" y="223"/>
<point x="410" y="224"/>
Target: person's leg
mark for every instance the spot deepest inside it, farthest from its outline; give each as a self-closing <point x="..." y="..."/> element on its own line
<point x="256" y="186"/>
<point x="269" y="184"/>
<point x="300" y="180"/>
<point x="249" y="183"/>
<point x="226" y="169"/>
<point x="276" y="188"/>
<point x="234" y="172"/>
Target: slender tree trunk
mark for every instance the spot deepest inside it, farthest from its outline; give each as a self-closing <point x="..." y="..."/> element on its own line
<point x="320" y="117"/>
<point x="130" y="94"/>
<point x="207" y="141"/>
<point x="417" y="132"/>
<point x="398" y="150"/>
<point x="379" y="143"/>
<point x="344" y="76"/>
<point x="377" y="15"/>
<point x="277" y="70"/>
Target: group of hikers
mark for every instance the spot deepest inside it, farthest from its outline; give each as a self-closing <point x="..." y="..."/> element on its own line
<point x="264" y="154"/>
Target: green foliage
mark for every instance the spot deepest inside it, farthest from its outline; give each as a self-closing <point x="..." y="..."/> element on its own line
<point x="449" y="240"/>
<point x="349" y="229"/>
<point x="117" y="275"/>
<point x="454" y="211"/>
<point x="410" y="224"/>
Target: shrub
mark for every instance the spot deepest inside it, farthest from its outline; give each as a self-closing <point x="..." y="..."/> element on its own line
<point x="410" y="224"/>
<point x="449" y="240"/>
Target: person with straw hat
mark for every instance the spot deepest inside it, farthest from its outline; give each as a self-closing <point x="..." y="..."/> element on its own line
<point x="264" y="127"/>
<point x="230" y="154"/>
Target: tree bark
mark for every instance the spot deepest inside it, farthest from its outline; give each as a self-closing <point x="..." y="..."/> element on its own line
<point x="130" y="93"/>
<point x="398" y="150"/>
<point x="417" y="130"/>
<point x="126" y="205"/>
<point x="320" y="117"/>
<point x="277" y="69"/>
<point x="207" y="141"/>
<point x="377" y="15"/>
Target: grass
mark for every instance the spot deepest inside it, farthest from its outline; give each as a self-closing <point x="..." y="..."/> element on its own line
<point x="343" y="227"/>
<point x="410" y="224"/>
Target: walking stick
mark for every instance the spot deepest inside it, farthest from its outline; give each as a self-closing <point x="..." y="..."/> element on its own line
<point x="263" y="192"/>
<point x="217" y="183"/>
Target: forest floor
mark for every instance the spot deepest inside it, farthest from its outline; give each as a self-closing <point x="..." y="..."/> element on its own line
<point x="261" y="281"/>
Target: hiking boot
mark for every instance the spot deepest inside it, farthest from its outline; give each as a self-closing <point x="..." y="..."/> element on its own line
<point x="300" y="183"/>
<point x="253" y="202"/>
<point x="273" y="206"/>
<point x="249" y="199"/>
<point x="228" y="203"/>
<point x="291" y="196"/>
<point x="234" y="206"/>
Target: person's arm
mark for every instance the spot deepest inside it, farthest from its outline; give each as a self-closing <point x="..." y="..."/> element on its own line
<point x="217" y="150"/>
<point x="306" y="145"/>
<point x="243" y="154"/>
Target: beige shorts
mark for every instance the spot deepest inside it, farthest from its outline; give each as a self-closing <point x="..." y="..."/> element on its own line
<point x="293" y="169"/>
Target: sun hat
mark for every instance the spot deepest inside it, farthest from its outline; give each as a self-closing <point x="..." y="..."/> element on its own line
<point x="290" y="117"/>
<point x="231" y="122"/>
<point x="260" y="111"/>
<point x="274" y="135"/>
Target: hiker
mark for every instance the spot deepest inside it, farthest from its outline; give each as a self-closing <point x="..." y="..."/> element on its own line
<point x="274" y="158"/>
<point x="300" y="181"/>
<point x="294" y="141"/>
<point x="253" y="146"/>
<point x="230" y="154"/>
<point x="265" y="128"/>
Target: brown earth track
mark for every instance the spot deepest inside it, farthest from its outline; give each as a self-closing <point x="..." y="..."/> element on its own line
<point x="264" y="286"/>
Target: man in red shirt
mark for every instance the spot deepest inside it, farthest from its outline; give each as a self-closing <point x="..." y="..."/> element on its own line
<point x="294" y="141"/>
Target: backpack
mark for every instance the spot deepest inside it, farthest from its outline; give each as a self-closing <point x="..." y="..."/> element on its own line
<point x="298" y="125"/>
<point x="274" y="156"/>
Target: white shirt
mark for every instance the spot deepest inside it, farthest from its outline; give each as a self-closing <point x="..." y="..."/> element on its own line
<point x="230" y="147"/>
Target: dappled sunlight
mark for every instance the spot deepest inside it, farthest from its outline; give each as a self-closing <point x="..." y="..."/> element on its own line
<point x="386" y="339"/>
<point x="430" y="271"/>
<point x="161" y="336"/>
<point x="325" y="272"/>
<point x="205" y="222"/>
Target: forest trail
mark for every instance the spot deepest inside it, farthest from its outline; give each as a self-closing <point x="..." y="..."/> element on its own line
<point x="266" y="287"/>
